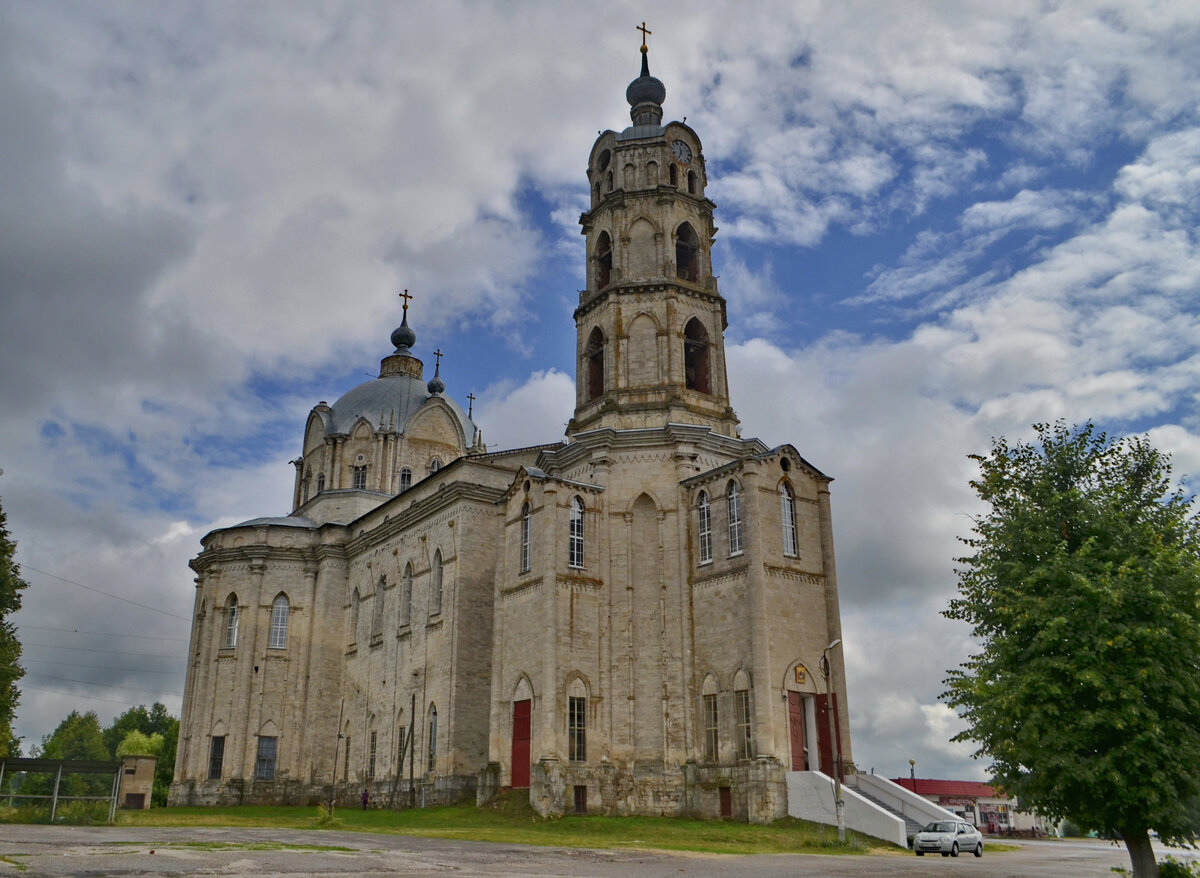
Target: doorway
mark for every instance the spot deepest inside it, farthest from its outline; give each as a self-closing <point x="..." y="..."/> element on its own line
<point x="522" y="712"/>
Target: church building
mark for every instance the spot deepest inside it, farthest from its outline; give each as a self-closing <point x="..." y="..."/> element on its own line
<point x="641" y="619"/>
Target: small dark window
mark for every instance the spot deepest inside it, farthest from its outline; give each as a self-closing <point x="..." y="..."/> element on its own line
<point x="695" y="356"/>
<point x="577" y="728"/>
<point x="603" y="160"/>
<point x="595" y="364"/>
<point x="264" y="763"/>
<point x="320" y="482"/>
<point x="371" y="757"/>
<point x="608" y="182"/>
<point x="580" y="799"/>
<point x="405" y="479"/>
<point x="726" y="802"/>
<point x="604" y="260"/>
<point x="687" y="253"/>
<point x="692" y="182"/>
<point x="674" y="175"/>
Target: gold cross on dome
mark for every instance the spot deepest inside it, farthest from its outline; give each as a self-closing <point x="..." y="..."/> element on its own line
<point x="645" y="33"/>
<point x="405" y="296"/>
<point x="438" y="354"/>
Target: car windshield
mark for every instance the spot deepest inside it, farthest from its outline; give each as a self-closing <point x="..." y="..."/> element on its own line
<point x="939" y="827"/>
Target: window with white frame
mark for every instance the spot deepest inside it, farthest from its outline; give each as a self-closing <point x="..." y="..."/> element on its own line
<point x="577" y="721"/>
<point x="526" y="526"/>
<point x="360" y="478"/>
<point x="733" y="500"/>
<point x="280" y="609"/>
<point x="704" y="527"/>
<point x="405" y="479"/>
<point x="787" y="512"/>
<point x="575" y="535"/>
<point x="741" y="707"/>
<point x="231" y="622"/>
<point x="711" y="736"/>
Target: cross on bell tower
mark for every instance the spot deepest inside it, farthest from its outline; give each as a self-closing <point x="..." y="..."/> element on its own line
<point x="650" y="323"/>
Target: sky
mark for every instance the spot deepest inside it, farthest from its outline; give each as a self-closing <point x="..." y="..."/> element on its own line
<point x="940" y="222"/>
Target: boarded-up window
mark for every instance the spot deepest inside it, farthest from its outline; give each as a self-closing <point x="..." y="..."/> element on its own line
<point x="642" y="352"/>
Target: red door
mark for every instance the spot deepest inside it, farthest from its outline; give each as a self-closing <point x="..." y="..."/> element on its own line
<point x="796" y="730"/>
<point x="520" y="742"/>
<point x="825" y="747"/>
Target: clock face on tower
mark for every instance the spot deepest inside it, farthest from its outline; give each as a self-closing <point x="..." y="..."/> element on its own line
<point x="682" y="151"/>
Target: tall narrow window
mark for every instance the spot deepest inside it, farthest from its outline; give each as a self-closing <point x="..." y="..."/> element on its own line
<point x="401" y="749"/>
<point x="434" y="466"/>
<point x="431" y="762"/>
<point x="741" y="706"/>
<point x="279" y="623"/>
<point x="692" y="182"/>
<point x="371" y="756"/>
<point x="320" y="482"/>
<point x="711" y="739"/>
<point x="346" y="759"/>
<point x="787" y="513"/>
<point x="231" y="622"/>
<point x="704" y="516"/>
<point x="695" y="356"/>
<point x="577" y="728"/>
<point x="406" y="598"/>
<point x="216" y="757"/>
<point x="526" y="522"/>
<point x="360" y="478"/>
<point x="377" y="609"/>
<point x="405" y="479"/>
<point x="687" y="253"/>
<point x="594" y="354"/>
<point x="435" y="584"/>
<point x="733" y="499"/>
<point x="354" y="602"/>
<point x="575" y="536"/>
<point x="264" y="762"/>
<point x="604" y="261"/>
<point x="674" y="174"/>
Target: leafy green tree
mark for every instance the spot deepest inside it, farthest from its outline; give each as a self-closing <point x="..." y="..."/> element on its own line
<point x="1082" y="589"/>
<point x="11" y="671"/>
<point x="77" y="737"/>
<point x="138" y="744"/>
<point x="156" y="720"/>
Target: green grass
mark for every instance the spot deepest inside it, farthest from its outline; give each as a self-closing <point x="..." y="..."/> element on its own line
<point x="511" y="820"/>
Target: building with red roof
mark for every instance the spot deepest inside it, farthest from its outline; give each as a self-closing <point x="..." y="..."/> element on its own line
<point x="976" y="802"/>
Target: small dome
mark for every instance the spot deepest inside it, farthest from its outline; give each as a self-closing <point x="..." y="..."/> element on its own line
<point x="646" y="89"/>
<point x="403" y="336"/>
<point x="436" y="385"/>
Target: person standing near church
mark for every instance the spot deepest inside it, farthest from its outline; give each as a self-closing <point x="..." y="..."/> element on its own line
<point x="365" y="798"/>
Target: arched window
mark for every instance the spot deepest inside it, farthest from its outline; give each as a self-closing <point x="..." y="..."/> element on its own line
<point x="435" y="584"/>
<point x="360" y="478"/>
<point x="652" y="174"/>
<point x="576" y="721"/>
<point x="695" y="356"/>
<point x="405" y="479"/>
<point x="406" y="598"/>
<point x="526" y="526"/>
<point x="674" y="172"/>
<point x="687" y="253"/>
<point x="594" y="353"/>
<point x="279" y="623"/>
<point x="787" y="513"/>
<point x="704" y="527"/>
<point x="608" y="182"/>
<point x="320" y="482"/>
<point x="377" y="609"/>
<point x="604" y="260"/>
<point x="743" y="728"/>
<point x="354" y="602"/>
<point x="434" y="465"/>
<point x="733" y="500"/>
<point x="575" y="535"/>
<point x="231" y="622"/>
<point x="432" y="760"/>
<point x="692" y="182"/>
<point x="710" y="724"/>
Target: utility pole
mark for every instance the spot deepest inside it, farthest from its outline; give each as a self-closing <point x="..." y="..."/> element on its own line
<point x="833" y="740"/>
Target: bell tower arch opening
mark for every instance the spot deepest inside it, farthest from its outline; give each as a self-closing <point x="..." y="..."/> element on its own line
<point x="687" y="253"/>
<point x="593" y="356"/>
<point x="696" y="357"/>
<point x="604" y="261"/>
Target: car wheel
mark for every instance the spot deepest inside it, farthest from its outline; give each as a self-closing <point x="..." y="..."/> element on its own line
<point x="979" y="849"/>
<point x="920" y="853"/>
<point x="954" y="850"/>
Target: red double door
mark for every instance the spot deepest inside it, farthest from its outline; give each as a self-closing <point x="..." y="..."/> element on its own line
<point x="826" y="748"/>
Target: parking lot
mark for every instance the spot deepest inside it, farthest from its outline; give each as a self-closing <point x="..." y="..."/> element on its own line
<point x="117" y="851"/>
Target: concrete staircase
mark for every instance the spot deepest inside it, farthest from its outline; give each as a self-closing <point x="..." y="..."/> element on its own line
<point x="911" y="827"/>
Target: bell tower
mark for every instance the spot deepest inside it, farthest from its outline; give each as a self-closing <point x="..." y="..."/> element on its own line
<point x="650" y="324"/>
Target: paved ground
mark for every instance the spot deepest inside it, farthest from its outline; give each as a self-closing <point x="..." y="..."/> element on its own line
<point x="120" y="851"/>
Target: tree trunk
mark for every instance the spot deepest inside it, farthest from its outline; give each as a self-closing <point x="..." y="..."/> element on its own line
<point x="1141" y="855"/>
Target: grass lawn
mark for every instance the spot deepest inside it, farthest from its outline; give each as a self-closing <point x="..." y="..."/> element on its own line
<point x="511" y="820"/>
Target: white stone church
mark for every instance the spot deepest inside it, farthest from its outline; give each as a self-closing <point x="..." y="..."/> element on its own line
<point x="630" y="621"/>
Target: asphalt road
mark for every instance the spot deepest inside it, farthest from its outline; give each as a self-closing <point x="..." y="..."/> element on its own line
<point x="120" y="851"/>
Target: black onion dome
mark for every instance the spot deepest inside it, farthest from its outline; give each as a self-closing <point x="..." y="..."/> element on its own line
<point x="646" y="89"/>
<point x="436" y="385"/>
<point x="402" y="335"/>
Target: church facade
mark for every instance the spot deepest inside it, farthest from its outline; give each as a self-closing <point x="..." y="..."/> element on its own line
<point x="630" y="621"/>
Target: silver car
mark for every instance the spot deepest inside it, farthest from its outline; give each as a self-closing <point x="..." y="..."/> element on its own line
<point x="948" y="837"/>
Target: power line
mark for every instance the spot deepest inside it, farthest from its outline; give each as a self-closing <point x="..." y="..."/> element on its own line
<point x="113" y="651"/>
<point x="105" y="685"/>
<point x="97" y="667"/>
<point x="105" y="593"/>
<point x="76" y="695"/>
<point x="103" y="633"/>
